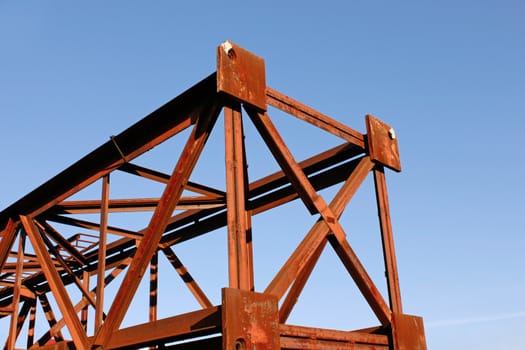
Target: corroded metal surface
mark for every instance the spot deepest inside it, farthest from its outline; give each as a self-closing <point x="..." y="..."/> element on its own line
<point x="409" y="333"/>
<point x="41" y="262"/>
<point x="382" y="143"/>
<point x="240" y="74"/>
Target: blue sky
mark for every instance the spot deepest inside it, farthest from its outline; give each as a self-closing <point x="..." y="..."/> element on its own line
<point x="448" y="75"/>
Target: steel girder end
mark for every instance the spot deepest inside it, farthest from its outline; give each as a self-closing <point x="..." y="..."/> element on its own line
<point x="408" y="332"/>
<point x="382" y="143"/>
<point x="241" y="75"/>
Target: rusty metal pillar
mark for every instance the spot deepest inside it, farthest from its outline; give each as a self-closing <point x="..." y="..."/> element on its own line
<point x="241" y="79"/>
<point x="407" y="331"/>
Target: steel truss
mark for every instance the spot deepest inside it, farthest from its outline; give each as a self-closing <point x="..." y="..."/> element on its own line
<point x="38" y="262"/>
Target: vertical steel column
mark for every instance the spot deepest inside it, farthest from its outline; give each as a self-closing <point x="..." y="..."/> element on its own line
<point x="153" y="289"/>
<point x="101" y="271"/>
<point x="32" y="321"/>
<point x="387" y="238"/>
<point x="239" y="240"/>
<point x="85" y="309"/>
<point x="153" y="286"/>
<point x="16" y="292"/>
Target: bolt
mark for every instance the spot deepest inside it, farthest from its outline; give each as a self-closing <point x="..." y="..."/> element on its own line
<point x="240" y="344"/>
<point x="228" y="48"/>
<point x="392" y="133"/>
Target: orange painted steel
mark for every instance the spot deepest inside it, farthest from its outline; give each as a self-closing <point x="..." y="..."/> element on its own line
<point x="54" y="285"/>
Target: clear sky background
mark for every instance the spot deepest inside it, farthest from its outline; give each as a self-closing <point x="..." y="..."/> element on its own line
<point x="448" y="75"/>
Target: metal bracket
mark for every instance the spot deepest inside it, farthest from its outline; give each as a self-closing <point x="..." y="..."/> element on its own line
<point x="382" y="143"/>
<point x="408" y="332"/>
<point x="241" y="75"/>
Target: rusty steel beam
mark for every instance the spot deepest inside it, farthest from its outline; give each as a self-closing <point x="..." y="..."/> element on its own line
<point x="245" y="317"/>
<point x="63" y="243"/>
<point x="102" y="245"/>
<point x="329" y="338"/>
<point x="186" y="326"/>
<point x="55" y="283"/>
<point x="132" y="205"/>
<point x="308" y="114"/>
<point x="32" y="321"/>
<point x="164" y="178"/>
<point x="240" y="263"/>
<point x="387" y="238"/>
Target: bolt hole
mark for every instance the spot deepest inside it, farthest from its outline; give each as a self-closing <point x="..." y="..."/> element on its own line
<point x="231" y="54"/>
<point x="240" y="344"/>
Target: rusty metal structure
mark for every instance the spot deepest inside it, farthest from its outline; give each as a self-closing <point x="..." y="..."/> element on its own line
<point x="42" y="268"/>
